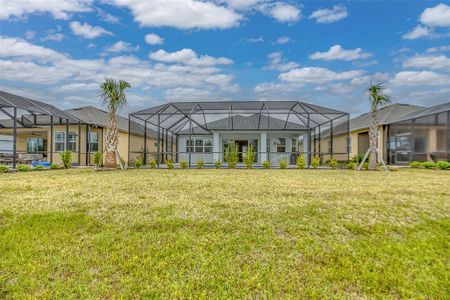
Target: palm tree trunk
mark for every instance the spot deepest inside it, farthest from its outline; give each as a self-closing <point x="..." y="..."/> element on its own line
<point x="373" y="138"/>
<point x="111" y="142"/>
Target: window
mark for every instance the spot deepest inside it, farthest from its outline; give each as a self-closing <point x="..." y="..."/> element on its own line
<point x="207" y="143"/>
<point x="404" y="141"/>
<point x="36" y="145"/>
<point x="330" y="147"/>
<point x="198" y="146"/>
<point x="281" y="145"/>
<point x="60" y="140"/>
<point x="294" y="145"/>
<point x="72" y="145"/>
<point x="349" y="145"/>
<point x="93" y="141"/>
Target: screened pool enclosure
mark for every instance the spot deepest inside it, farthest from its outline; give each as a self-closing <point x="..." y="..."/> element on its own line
<point x="194" y="131"/>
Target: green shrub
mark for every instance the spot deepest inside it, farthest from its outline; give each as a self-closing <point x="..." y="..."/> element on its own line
<point x="23" y="168"/>
<point x="333" y="163"/>
<point x="300" y="162"/>
<point x="366" y="166"/>
<point x="283" y="163"/>
<point x="169" y="163"/>
<point x="249" y="157"/>
<point x="428" y="165"/>
<point x="200" y="164"/>
<point x="266" y="164"/>
<point x="218" y="164"/>
<point x="443" y="165"/>
<point x="55" y="166"/>
<point x="415" y="164"/>
<point x="39" y="168"/>
<point x="184" y="164"/>
<point x="138" y="163"/>
<point x="357" y="159"/>
<point x="3" y="169"/>
<point x="66" y="157"/>
<point x="350" y="165"/>
<point x="98" y="159"/>
<point x="315" y="162"/>
<point x="152" y="163"/>
<point x="231" y="155"/>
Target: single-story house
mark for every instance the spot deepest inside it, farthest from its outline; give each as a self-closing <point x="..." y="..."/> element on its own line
<point x="44" y="135"/>
<point x="195" y="131"/>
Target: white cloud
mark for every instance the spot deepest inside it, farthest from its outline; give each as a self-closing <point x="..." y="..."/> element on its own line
<point x="106" y="17"/>
<point x="364" y="80"/>
<point x="57" y="37"/>
<point x="181" y="14"/>
<point x="418" y="32"/>
<point x="438" y="16"/>
<point x="438" y="49"/>
<point x="26" y="62"/>
<point x="283" y="12"/>
<point x="283" y="40"/>
<point x="60" y="9"/>
<point x="241" y="4"/>
<point x="75" y="87"/>
<point x="29" y="35"/>
<point x="325" y="16"/>
<point x="337" y="52"/>
<point x="183" y="93"/>
<point x="153" y="39"/>
<point x="188" y="57"/>
<point x="317" y="75"/>
<point x="361" y="64"/>
<point x="259" y="39"/>
<point x="87" y="31"/>
<point x="121" y="46"/>
<point x="420" y="78"/>
<point x="440" y="62"/>
<point x="336" y="88"/>
<point x="276" y="62"/>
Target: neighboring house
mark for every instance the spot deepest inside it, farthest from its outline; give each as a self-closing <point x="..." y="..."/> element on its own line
<point x="83" y="133"/>
<point x="359" y="127"/>
<point x="423" y="135"/>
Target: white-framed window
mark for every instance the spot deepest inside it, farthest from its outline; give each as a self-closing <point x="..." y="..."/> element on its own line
<point x="72" y="145"/>
<point x="93" y="141"/>
<point x="199" y="145"/>
<point x="294" y="146"/>
<point x="281" y="145"/>
<point x="60" y="141"/>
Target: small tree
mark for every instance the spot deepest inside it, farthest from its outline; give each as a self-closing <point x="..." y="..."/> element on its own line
<point x="300" y="162"/>
<point x="231" y="155"/>
<point x="66" y="157"/>
<point x="113" y="95"/>
<point x="377" y="99"/>
<point x="249" y="157"/>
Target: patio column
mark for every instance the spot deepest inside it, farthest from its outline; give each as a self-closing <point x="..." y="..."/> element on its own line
<point x="216" y="147"/>
<point x="306" y="145"/>
<point x="15" y="139"/>
<point x="263" y="150"/>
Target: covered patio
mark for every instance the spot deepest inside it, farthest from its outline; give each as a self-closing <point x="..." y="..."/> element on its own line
<point x="35" y="120"/>
<point x="194" y="131"/>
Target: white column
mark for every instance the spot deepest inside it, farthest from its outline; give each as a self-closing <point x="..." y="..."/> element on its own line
<point x="306" y="146"/>
<point x="216" y="146"/>
<point x="263" y="147"/>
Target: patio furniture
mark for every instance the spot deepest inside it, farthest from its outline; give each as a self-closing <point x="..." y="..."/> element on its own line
<point x="27" y="158"/>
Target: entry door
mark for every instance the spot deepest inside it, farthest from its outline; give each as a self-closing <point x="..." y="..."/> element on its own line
<point x="242" y="147"/>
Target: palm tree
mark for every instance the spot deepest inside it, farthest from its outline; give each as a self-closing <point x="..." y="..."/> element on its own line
<point x="113" y="95"/>
<point x="377" y="99"/>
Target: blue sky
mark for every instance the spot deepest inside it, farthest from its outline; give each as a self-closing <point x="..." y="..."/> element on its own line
<point x="323" y="52"/>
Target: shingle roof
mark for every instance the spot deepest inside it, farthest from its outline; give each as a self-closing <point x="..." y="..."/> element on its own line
<point x="436" y="109"/>
<point x="96" y="117"/>
<point x="242" y="122"/>
<point x="386" y="115"/>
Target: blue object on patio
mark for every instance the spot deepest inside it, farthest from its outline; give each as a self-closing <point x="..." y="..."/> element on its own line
<point x="45" y="164"/>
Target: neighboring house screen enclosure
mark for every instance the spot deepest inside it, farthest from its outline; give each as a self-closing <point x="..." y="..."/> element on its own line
<point x="194" y="131"/>
<point x="424" y="136"/>
<point x="26" y="118"/>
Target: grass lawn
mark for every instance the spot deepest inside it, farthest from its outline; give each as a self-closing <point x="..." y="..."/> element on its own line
<point x="225" y="234"/>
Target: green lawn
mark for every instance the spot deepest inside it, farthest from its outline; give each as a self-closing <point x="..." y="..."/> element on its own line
<point x="225" y="234"/>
